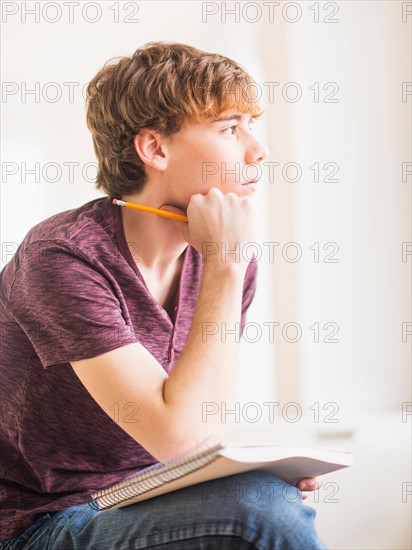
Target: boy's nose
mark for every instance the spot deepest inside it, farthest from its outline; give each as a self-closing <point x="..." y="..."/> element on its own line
<point x="265" y="152"/>
<point x="257" y="151"/>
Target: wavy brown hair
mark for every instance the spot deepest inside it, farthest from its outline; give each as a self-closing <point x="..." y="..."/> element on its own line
<point x="162" y="86"/>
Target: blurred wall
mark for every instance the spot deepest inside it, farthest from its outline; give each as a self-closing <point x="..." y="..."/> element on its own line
<point x="340" y="129"/>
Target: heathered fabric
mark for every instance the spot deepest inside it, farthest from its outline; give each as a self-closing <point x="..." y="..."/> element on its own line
<point x="73" y="291"/>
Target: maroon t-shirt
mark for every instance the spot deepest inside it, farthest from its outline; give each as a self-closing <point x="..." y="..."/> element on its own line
<point x="73" y="291"/>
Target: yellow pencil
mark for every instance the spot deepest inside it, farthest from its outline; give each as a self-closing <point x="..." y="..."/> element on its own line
<point x="150" y="209"/>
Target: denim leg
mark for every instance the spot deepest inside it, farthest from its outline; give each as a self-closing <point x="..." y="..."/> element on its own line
<point x="35" y="528"/>
<point x="252" y="510"/>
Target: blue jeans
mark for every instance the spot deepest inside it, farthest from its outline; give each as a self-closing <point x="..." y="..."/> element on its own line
<point x="251" y="510"/>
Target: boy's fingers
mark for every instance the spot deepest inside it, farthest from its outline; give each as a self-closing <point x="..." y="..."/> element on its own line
<point x="310" y="483"/>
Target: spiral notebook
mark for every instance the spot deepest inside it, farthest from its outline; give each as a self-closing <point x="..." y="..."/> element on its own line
<point x="212" y="459"/>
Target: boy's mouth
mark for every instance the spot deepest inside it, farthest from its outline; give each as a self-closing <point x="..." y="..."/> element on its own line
<point x="249" y="182"/>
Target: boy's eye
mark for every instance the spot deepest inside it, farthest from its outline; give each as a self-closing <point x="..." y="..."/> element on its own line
<point x="251" y="127"/>
<point x="230" y="128"/>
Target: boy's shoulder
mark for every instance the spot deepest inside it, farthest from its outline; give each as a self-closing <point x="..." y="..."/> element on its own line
<point x="73" y="225"/>
<point x="84" y="231"/>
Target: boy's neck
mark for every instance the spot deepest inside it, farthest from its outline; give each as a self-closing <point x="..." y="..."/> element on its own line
<point x="154" y="241"/>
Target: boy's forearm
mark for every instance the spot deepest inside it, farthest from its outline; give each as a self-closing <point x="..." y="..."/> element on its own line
<point x="205" y="370"/>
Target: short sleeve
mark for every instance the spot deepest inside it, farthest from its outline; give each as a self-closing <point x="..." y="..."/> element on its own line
<point x="68" y="308"/>
<point x="249" y="289"/>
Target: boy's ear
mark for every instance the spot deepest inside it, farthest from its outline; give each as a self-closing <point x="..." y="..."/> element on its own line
<point x="149" y="147"/>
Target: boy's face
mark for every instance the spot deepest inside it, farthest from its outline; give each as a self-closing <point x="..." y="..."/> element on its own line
<point x="215" y="153"/>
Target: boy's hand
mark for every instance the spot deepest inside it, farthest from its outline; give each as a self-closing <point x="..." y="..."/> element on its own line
<point x="219" y="224"/>
<point x="309" y="484"/>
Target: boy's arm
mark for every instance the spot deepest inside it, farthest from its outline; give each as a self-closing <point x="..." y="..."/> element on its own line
<point x="205" y="371"/>
<point x="170" y="407"/>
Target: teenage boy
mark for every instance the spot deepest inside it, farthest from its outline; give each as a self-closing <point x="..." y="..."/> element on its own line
<point x="106" y="359"/>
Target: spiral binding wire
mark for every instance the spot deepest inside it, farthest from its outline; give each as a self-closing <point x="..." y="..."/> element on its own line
<point x="158" y="474"/>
